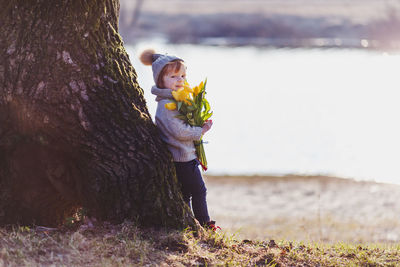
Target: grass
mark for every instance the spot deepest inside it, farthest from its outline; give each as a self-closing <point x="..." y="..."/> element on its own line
<point x="128" y="245"/>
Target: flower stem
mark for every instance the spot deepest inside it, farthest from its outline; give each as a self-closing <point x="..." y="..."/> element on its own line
<point x="201" y="155"/>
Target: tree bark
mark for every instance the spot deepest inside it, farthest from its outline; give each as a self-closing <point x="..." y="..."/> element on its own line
<point x="74" y="127"/>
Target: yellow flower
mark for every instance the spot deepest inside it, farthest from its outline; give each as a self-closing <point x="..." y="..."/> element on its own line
<point x="177" y="94"/>
<point x="187" y="88"/>
<point x="180" y="94"/>
<point x="187" y="102"/>
<point x="196" y="90"/>
<point x="170" y="106"/>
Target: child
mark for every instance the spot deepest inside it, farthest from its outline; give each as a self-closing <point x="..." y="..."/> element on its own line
<point x="169" y="73"/>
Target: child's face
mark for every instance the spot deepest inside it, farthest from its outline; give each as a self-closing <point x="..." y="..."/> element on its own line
<point x="175" y="80"/>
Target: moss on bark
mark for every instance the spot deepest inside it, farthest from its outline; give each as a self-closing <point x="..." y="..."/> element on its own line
<point x="77" y="131"/>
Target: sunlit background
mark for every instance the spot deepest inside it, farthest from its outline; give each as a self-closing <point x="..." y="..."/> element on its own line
<point x="300" y="87"/>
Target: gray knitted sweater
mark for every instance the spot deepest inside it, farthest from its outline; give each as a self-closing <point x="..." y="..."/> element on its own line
<point x="178" y="135"/>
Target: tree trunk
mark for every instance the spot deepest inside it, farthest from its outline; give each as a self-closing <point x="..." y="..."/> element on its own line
<point x="74" y="127"/>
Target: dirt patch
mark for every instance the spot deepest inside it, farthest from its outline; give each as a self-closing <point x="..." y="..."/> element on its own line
<point x="315" y="208"/>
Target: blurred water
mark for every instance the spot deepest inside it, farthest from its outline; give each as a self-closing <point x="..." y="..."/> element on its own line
<point x="280" y="111"/>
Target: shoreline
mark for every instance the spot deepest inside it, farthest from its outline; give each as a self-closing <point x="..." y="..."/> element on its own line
<point x="274" y="43"/>
<point x="303" y="23"/>
<point x="293" y="177"/>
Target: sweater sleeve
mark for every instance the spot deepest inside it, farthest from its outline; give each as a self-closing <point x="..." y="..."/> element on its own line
<point x="177" y="128"/>
<point x="161" y="93"/>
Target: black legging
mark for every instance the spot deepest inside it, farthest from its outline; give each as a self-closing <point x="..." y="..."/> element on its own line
<point x="193" y="188"/>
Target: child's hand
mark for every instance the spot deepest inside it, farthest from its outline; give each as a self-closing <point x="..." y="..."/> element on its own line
<point x="207" y="126"/>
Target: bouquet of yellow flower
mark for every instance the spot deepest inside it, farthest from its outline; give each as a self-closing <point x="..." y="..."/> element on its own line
<point x="194" y="110"/>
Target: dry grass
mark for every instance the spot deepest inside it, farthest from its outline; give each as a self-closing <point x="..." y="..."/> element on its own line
<point x="127" y="245"/>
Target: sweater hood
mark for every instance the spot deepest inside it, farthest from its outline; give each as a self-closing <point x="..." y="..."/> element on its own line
<point x="161" y="93"/>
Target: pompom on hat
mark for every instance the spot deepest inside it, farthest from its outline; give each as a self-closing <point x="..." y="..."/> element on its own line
<point x="157" y="61"/>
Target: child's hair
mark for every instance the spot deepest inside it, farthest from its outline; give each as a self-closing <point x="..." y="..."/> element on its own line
<point x="162" y="64"/>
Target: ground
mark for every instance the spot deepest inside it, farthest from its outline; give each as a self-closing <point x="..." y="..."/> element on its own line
<point x="283" y="221"/>
<point x="306" y="208"/>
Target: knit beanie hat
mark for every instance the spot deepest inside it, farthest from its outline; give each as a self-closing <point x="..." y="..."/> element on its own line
<point x="157" y="61"/>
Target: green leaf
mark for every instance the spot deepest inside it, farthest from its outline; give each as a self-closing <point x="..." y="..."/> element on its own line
<point x="181" y="117"/>
<point x="184" y="109"/>
<point x="206" y="106"/>
<point x="193" y="107"/>
<point x="179" y="105"/>
<point x="199" y="100"/>
<point x="198" y="122"/>
<point x="207" y="116"/>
